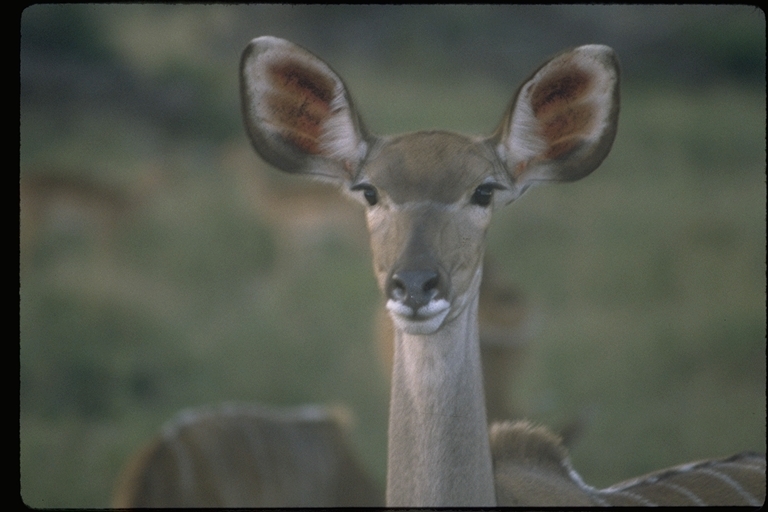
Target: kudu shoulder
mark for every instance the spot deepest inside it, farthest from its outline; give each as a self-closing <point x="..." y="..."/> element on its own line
<point x="532" y="467"/>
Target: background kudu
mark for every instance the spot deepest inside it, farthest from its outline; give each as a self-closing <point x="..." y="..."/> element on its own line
<point x="300" y="216"/>
<point x="64" y="204"/>
<point x="533" y="469"/>
<point x="237" y="455"/>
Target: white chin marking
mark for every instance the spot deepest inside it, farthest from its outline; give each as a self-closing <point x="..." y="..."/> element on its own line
<point x="428" y="320"/>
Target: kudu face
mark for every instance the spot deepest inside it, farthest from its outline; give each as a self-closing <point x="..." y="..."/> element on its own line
<point x="429" y="195"/>
<point x="428" y="223"/>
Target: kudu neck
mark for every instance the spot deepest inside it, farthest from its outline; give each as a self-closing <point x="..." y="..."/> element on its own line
<point x="439" y="453"/>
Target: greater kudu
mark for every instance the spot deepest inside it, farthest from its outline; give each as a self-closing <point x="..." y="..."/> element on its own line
<point x="429" y="197"/>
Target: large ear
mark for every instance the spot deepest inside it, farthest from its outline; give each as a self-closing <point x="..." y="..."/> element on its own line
<point x="562" y="122"/>
<point x="297" y="111"/>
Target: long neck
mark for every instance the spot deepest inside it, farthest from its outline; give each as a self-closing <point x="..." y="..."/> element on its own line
<point x="439" y="453"/>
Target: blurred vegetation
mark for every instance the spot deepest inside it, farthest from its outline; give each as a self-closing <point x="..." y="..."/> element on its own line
<point x="152" y="281"/>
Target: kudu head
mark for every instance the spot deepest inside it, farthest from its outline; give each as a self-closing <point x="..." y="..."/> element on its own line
<point x="429" y="195"/>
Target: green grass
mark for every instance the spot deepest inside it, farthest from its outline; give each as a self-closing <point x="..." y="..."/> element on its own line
<point x="647" y="279"/>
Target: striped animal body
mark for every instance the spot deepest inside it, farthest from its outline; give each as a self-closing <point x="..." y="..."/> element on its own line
<point x="249" y="456"/>
<point x="532" y="468"/>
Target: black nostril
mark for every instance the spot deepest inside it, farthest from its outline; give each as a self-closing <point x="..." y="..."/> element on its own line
<point x="414" y="288"/>
<point x="431" y="284"/>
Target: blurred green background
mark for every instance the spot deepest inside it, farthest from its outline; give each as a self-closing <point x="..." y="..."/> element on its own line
<point x="164" y="266"/>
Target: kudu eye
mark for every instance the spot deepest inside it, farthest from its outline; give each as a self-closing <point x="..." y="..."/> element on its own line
<point x="483" y="194"/>
<point x="369" y="193"/>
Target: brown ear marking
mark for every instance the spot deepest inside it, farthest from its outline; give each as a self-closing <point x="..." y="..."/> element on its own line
<point x="300" y="102"/>
<point x="557" y="102"/>
<point x="567" y="85"/>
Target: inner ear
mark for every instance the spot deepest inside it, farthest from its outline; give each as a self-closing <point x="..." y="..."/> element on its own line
<point x="299" y="103"/>
<point x="563" y="119"/>
<point x="298" y="112"/>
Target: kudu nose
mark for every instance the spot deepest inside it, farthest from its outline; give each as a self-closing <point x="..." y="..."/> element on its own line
<point x="414" y="288"/>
